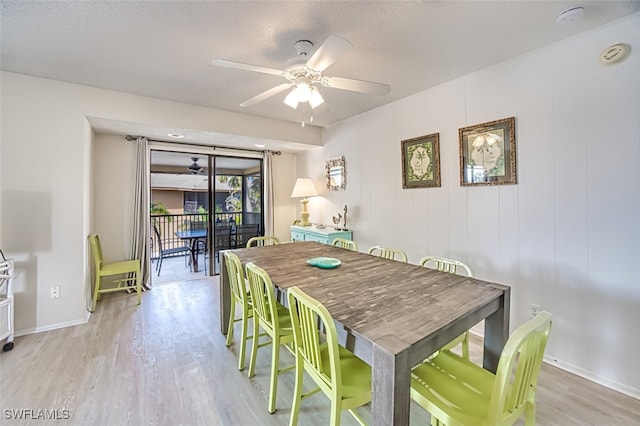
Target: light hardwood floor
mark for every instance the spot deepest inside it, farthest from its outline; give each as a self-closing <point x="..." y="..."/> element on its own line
<point x="165" y="363"/>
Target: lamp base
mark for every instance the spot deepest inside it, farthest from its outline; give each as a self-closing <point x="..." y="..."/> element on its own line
<point x="305" y="220"/>
<point x="304" y="216"/>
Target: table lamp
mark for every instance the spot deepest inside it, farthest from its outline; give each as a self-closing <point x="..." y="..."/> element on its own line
<point x="302" y="189"/>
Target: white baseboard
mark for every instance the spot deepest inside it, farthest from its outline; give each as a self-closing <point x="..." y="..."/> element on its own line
<point x="478" y="332"/>
<point x="35" y="330"/>
<point x="589" y="375"/>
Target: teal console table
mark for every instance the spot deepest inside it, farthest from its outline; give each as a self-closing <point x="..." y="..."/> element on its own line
<point x="324" y="235"/>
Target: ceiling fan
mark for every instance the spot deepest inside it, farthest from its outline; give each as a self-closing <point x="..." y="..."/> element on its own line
<point x="304" y="77"/>
<point x="195" y="168"/>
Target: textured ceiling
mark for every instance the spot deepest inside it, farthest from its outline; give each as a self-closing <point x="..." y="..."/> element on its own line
<point x="164" y="49"/>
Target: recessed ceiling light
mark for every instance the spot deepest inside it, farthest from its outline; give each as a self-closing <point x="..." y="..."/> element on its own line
<point x="175" y="135"/>
<point x="570" y="15"/>
<point x="259" y="145"/>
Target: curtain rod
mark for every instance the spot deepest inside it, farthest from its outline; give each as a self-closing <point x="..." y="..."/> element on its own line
<point x="133" y="138"/>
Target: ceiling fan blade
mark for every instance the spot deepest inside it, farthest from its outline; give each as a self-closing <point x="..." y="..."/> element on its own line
<point x="356" y="85"/>
<point x="329" y="52"/>
<point x="266" y="94"/>
<point x="246" y="67"/>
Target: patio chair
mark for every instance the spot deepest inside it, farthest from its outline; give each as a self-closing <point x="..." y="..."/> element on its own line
<point x="163" y="252"/>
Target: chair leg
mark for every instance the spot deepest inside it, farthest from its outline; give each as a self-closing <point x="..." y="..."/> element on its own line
<point x="530" y="414"/>
<point x="204" y="261"/>
<point x="96" y="292"/>
<point x="297" y="393"/>
<point x="232" y="320"/>
<point x="275" y="366"/>
<point x="336" y="412"/>
<point x="159" y="265"/>
<point x="254" y="347"/>
<point x="139" y="284"/>
<point x="465" y="346"/>
<point x="243" y="339"/>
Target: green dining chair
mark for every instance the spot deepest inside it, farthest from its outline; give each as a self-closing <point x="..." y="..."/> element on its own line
<point x="267" y="240"/>
<point x="389" y="253"/>
<point x="337" y="372"/>
<point x="239" y="297"/>
<point x="450" y="266"/>
<point x="455" y="391"/>
<point x="345" y="244"/>
<point x="443" y="264"/>
<point x="130" y="269"/>
<point x="274" y="319"/>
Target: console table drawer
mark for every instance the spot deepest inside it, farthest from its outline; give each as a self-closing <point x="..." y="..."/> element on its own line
<point x="322" y="235"/>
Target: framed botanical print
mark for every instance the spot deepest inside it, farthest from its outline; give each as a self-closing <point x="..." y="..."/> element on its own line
<point x="488" y="153"/>
<point x="421" y="161"/>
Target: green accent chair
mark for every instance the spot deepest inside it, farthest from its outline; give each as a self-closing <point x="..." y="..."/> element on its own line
<point x="345" y="244"/>
<point x="388" y="253"/>
<point x="450" y="266"/>
<point x="339" y="374"/>
<point x="239" y="296"/>
<point x="129" y="268"/>
<point x="274" y="319"/>
<point x="455" y="391"/>
<point x="267" y="240"/>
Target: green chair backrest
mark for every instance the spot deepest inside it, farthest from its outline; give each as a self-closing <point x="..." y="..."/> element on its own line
<point x="517" y="374"/>
<point x="263" y="297"/>
<point x="345" y="244"/>
<point x="267" y="240"/>
<point x="236" y="277"/>
<point x="388" y="253"/>
<point x="96" y="249"/>
<point x="305" y="313"/>
<point x="445" y="265"/>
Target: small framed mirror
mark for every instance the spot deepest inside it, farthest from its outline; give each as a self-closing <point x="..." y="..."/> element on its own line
<point x="336" y="174"/>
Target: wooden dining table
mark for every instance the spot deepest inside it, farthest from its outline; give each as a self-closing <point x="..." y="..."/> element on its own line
<point x="390" y="314"/>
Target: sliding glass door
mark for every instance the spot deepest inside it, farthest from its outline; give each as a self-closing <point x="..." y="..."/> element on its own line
<point x="204" y="203"/>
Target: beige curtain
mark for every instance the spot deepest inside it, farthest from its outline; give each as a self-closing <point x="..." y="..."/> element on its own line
<point x="268" y="194"/>
<point x="140" y="231"/>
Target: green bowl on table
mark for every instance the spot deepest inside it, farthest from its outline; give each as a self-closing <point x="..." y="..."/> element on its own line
<point x="324" y="262"/>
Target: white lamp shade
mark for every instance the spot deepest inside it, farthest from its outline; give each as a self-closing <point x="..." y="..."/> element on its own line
<point x="303" y="188"/>
<point x="292" y="99"/>
<point x="316" y="98"/>
<point x="303" y="89"/>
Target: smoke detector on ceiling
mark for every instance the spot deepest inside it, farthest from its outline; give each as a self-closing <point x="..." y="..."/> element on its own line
<point x="570" y="15"/>
<point x="615" y="53"/>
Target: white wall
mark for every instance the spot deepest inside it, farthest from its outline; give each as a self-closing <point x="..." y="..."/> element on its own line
<point x="565" y="237"/>
<point x="47" y="182"/>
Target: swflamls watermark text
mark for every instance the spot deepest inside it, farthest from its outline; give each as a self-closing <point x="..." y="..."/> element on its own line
<point x="36" y="414"/>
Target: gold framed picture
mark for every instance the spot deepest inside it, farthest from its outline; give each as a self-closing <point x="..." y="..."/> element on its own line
<point x="421" y="161"/>
<point x="488" y="153"/>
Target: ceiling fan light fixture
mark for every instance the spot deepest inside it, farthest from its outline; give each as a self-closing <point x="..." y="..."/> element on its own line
<point x="303" y="89"/>
<point x="316" y="98"/>
<point x="292" y="99"/>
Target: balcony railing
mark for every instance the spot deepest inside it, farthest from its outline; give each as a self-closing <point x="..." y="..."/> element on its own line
<point x="169" y="224"/>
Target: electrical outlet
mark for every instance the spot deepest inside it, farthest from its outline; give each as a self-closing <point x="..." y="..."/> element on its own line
<point x="534" y="310"/>
<point x="55" y="292"/>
